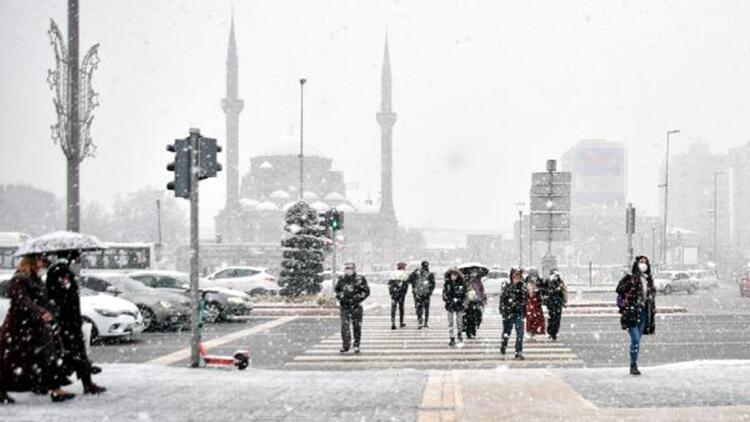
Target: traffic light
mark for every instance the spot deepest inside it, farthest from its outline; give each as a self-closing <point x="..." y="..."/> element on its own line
<point x="208" y="162"/>
<point x="181" y="168"/>
<point x="336" y="219"/>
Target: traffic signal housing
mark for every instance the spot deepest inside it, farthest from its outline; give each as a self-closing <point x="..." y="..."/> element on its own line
<point x="208" y="160"/>
<point x="336" y="219"/>
<point x="181" y="168"/>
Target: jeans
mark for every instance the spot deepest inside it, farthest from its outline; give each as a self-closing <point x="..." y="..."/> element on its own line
<point x="636" y="333"/>
<point x="397" y="303"/>
<point x="513" y="321"/>
<point x="459" y="323"/>
<point x="423" y="309"/>
<point x="351" y="315"/>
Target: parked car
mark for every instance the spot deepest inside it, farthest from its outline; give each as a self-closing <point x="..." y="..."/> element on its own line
<point x="251" y="280"/>
<point x="494" y="281"/>
<point x="706" y="279"/>
<point x="669" y="282"/>
<point x="221" y="303"/>
<point x="110" y="317"/>
<point x="160" y="309"/>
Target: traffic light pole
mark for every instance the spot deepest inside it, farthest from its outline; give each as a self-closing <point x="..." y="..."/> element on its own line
<point x="334" y="257"/>
<point x="194" y="249"/>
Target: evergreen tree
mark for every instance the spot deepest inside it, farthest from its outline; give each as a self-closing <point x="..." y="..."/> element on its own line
<point x="303" y="254"/>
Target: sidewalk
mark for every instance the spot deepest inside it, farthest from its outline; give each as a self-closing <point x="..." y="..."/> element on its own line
<point x="694" y="391"/>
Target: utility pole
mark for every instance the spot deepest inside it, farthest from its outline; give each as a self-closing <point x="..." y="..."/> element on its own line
<point x="666" y="200"/>
<point x="74" y="165"/>
<point x="302" y="138"/>
<point x="716" y="213"/>
<point x="630" y="229"/>
<point x="519" y="207"/>
<point x="158" y="229"/>
<point x="653" y="241"/>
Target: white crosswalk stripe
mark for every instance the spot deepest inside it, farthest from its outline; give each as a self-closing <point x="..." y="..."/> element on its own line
<point x="408" y="347"/>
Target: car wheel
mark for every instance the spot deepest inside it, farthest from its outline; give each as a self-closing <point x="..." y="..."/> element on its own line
<point x="212" y="312"/>
<point x="667" y="290"/>
<point x="149" y="318"/>
<point x="94" y="332"/>
<point x="257" y="291"/>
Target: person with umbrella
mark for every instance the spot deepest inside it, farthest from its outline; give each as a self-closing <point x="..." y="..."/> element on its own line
<point x="476" y="299"/>
<point x="65" y="304"/>
<point x="29" y="358"/>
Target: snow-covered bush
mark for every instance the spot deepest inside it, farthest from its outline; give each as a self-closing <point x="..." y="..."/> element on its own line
<point x="303" y="253"/>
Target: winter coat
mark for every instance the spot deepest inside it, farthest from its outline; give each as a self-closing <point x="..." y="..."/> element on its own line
<point x="534" y="313"/>
<point x="630" y="300"/>
<point x="422" y="283"/>
<point x="351" y="290"/>
<point x="554" y="293"/>
<point x="475" y="294"/>
<point x="513" y="299"/>
<point x="65" y="305"/>
<point x="454" y="292"/>
<point x="398" y="284"/>
<point x="28" y="348"/>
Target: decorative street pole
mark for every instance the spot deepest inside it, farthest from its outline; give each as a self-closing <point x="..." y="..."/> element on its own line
<point x="74" y="100"/>
<point x="519" y="207"/>
<point x="666" y="200"/>
<point x="302" y="138"/>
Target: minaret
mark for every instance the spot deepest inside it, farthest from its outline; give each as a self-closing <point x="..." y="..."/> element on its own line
<point x="386" y="119"/>
<point x="232" y="107"/>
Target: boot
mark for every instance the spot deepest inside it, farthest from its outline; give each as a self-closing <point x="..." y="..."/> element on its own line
<point x="452" y="342"/>
<point x="502" y="350"/>
<point x="61" y="397"/>
<point x="356" y="350"/>
<point x="460" y="341"/>
<point x="6" y="399"/>
<point x="393" y="326"/>
<point x="95" y="370"/>
<point x="519" y="356"/>
<point x="634" y="369"/>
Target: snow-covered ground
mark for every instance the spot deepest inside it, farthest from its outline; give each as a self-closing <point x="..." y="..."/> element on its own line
<point x="156" y="393"/>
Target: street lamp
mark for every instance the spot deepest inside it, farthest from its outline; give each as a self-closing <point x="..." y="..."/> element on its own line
<point x="666" y="199"/>
<point x="519" y="208"/>
<point x="716" y="213"/>
<point x="302" y="138"/>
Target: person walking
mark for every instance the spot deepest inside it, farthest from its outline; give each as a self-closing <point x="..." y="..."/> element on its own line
<point x="454" y="296"/>
<point x="397" y="287"/>
<point x="476" y="300"/>
<point x="65" y="305"/>
<point x="513" y="309"/>
<point x="636" y="300"/>
<point x="422" y="283"/>
<point x="555" y="293"/>
<point x="29" y="358"/>
<point x="351" y="290"/>
<point x="534" y="312"/>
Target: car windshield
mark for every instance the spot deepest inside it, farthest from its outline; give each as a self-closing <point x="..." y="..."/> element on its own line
<point x="128" y="284"/>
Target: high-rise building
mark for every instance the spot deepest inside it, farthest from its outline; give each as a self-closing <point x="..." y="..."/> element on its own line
<point x="739" y="200"/>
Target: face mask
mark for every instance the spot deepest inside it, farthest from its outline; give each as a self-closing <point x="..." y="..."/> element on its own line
<point x="642" y="267"/>
<point x="349" y="272"/>
<point x="554" y="277"/>
<point x="525" y="275"/>
<point x="454" y="277"/>
<point x="42" y="273"/>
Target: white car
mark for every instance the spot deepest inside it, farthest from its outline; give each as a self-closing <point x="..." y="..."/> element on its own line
<point x="668" y="282"/>
<point x="251" y="280"/>
<point x="494" y="282"/>
<point x="706" y="279"/>
<point x="109" y="316"/>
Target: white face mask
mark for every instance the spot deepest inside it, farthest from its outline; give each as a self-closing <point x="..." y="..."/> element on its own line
<point x="349" y="272"/>
<point x="42" y="273"/>
<point x="642" y="267"/>
<point x="554" y="276"/>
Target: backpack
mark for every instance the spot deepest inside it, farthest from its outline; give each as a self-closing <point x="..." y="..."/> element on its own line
<point x="422" y="284"/>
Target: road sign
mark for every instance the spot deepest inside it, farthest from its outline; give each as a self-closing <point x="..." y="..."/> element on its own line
<point x="562" y="235"/>
<point x="544" y="178"/>
<point x="545" y="203"/>
<point x="545" y="220"/>
<point x="555" y="189"/>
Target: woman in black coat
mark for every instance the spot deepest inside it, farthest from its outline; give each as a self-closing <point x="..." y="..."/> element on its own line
<point x="28" y="350"/>
<point x="65" y="304"/>
<point x="454" y="296"/>
<point x="636" y="300"/>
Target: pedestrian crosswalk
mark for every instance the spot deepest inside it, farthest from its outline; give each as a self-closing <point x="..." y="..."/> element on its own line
<point x="408" y="347"/>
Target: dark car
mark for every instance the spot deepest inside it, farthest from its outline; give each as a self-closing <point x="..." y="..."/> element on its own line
<point x="221" y="304"/>
<point x="160" y="309"/>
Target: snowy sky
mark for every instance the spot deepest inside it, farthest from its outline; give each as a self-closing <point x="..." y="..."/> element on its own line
<point x="485" y="91"/>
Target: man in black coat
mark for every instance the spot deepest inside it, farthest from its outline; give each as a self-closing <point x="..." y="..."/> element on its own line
<point x="351" y="290"/>
<point x="65" y="305"/>
<point x="513" y="301"/>
<point x="555" y="298"/>
<point x="422" y="285"/>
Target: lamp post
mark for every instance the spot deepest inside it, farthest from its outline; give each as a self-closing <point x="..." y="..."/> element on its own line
<point x="666" y="199"/>
<point x="716" y="213"/>
<point x="519" y="207"/>
<point x="302" y="138"/>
